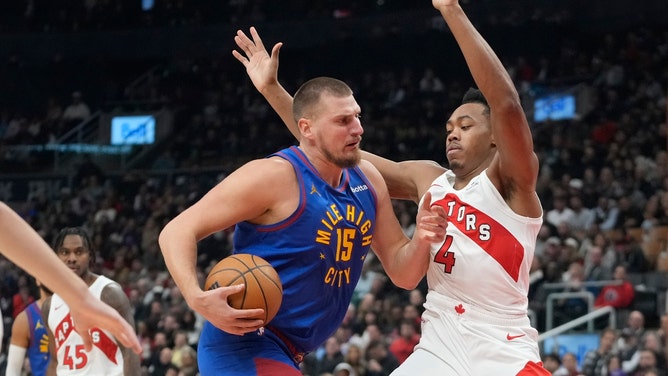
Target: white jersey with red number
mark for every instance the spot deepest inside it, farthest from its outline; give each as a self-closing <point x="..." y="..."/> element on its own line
<point x="485" y="259"/>
<point x="105" y="357"/>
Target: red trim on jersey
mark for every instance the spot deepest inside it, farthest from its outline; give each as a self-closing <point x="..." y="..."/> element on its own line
<point x="534" y="369"/>
<point x="106" y="345"/>
<point x="487" y="233"/>
<point x="270" y="367"/>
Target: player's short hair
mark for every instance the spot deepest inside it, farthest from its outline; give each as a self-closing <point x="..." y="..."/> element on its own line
<point x="474" y="95"/>
<point x="80" y="231"/>
<point x="308" y="95"/>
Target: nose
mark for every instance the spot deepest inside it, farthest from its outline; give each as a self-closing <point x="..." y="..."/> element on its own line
<point x="357" y="128"/>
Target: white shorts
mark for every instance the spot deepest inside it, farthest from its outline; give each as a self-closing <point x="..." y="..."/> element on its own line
<point x="472" y="343"/>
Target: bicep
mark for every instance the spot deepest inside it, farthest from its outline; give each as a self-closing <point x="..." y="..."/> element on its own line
<point x="115" y="297"/>
<point x="407" y="180"/>
<point x="20" y="336"/>
<point x="388" y="233"/>
<point x="242" y="196"/>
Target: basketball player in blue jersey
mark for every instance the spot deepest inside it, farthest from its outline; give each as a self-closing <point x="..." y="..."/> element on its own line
<point x="313" y="212"/>
<point x="29" y="337"/>
<point x="471" y="325"/>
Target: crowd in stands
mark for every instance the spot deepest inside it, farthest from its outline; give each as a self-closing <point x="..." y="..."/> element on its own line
<point x="603" y="179"/>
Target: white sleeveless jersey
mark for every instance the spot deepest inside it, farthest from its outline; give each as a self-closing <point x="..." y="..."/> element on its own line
<point x="105" y="357"/>
<point x="485" y="259"/>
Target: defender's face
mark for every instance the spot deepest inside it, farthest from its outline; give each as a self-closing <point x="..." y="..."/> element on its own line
<point x="337" y="129"/>
<point x="74" y="254"/>
<point x="469" y="137"/>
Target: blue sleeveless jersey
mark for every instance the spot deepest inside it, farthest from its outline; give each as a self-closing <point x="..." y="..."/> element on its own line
<point x="38" y="350"/>
<point x="318" y="253"/>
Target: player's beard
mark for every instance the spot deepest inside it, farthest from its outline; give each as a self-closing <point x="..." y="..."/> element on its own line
<point x="347" y="161"/>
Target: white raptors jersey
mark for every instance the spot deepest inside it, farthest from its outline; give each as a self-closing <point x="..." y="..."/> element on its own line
<point x="104" y="359"/>
<point x="488" y="249"/>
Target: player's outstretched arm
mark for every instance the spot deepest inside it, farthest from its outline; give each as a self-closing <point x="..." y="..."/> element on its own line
<point x="23" y="246"/>
<point x="515" y="169"/>
<point x="262" y="69"/>
<point x="405" y="260"/>
<point x="18" y="344"/>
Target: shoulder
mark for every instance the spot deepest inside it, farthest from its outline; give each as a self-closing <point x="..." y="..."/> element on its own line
<point x="263" y="168"/>
<point x="113" y="294"/>
<point x="20" y="322"/>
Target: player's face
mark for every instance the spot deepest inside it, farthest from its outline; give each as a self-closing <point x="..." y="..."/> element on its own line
<point x="74" y="254"/>
<point x="469" y="138"/>
<point x="337" y="130"/>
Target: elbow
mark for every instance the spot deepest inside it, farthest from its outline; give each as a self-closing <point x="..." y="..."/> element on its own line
<point x="406" y="282"/>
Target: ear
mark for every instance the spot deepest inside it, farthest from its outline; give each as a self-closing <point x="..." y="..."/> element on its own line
<point x="305" y="127"/>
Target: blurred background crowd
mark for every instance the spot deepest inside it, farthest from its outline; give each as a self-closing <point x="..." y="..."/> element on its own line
<point x="69" y="66"/>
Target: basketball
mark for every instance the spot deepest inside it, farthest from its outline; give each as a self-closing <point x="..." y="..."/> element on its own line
<point x="263" y="285"/>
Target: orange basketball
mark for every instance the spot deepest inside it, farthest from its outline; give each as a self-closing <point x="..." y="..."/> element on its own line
<point x="263" y="285"/>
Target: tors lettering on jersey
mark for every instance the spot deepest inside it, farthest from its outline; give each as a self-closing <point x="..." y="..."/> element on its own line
<point x="486" y="232"/>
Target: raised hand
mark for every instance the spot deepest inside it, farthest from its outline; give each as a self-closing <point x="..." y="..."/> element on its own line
<point x="260" y="67"/>
<point x="431" y="220"/>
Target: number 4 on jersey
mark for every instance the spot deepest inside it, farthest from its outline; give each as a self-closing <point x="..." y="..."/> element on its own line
<point x="445" y="256"/>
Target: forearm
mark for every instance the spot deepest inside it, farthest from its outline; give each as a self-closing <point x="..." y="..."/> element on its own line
<point x="409" y="265"/>
<point x="24" y="247"/>
<point x="281" y="101"/>
<point x="15" y="358"/>
<point x="487" y="70"/>
<point x="180" y="253"/>
<point x="131" y="363"/>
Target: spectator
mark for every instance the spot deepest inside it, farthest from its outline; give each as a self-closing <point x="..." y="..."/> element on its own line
<point x="614" y="366"/>
<point x="595" y="361"/>
<point x="402" y="346"/>
<point x="344" y="369"/>
<point x="355" y="358"/>
<point x="560" y="213"/>
<point x="552" y="363"/>
<point x="570" y="366"/>
<point x="380" y="361"/>
<point x="619" y="294"/>
<point x="75" y="112"/>
<point x="330" y="358"/>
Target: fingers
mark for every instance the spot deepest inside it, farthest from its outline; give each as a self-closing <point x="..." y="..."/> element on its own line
<point x="127" y="336"/>
<point x="256" y="38"/>
<point x="88" y="342"/>
<point x="426" y="201"/>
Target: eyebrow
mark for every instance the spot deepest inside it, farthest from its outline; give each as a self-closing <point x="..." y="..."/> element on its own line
<point x="450" y="121"/>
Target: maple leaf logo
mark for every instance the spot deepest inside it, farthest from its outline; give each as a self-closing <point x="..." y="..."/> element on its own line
<point x="460" y="309"/>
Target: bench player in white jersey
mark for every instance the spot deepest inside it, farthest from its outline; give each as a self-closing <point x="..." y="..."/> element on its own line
<point x="23" y="246"/>
<point x="68" y="356"/>
<point x="475" y="322"/>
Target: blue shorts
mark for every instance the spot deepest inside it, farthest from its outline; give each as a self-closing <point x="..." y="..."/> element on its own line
<point x="253" y="354"/>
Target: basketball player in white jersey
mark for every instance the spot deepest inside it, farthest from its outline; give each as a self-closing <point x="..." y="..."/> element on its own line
<point x="23" y="246"/>
<point x="68" y="356"/>
<point x="475" y="320"/>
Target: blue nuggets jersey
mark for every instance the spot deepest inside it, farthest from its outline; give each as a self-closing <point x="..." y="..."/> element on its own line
<point x="38" y="350"/>
<point x="318" y="252"/>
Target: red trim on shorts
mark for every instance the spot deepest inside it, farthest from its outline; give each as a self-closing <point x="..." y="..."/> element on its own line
<point x="270" y="367"/>
<point x="533" y="368"/>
